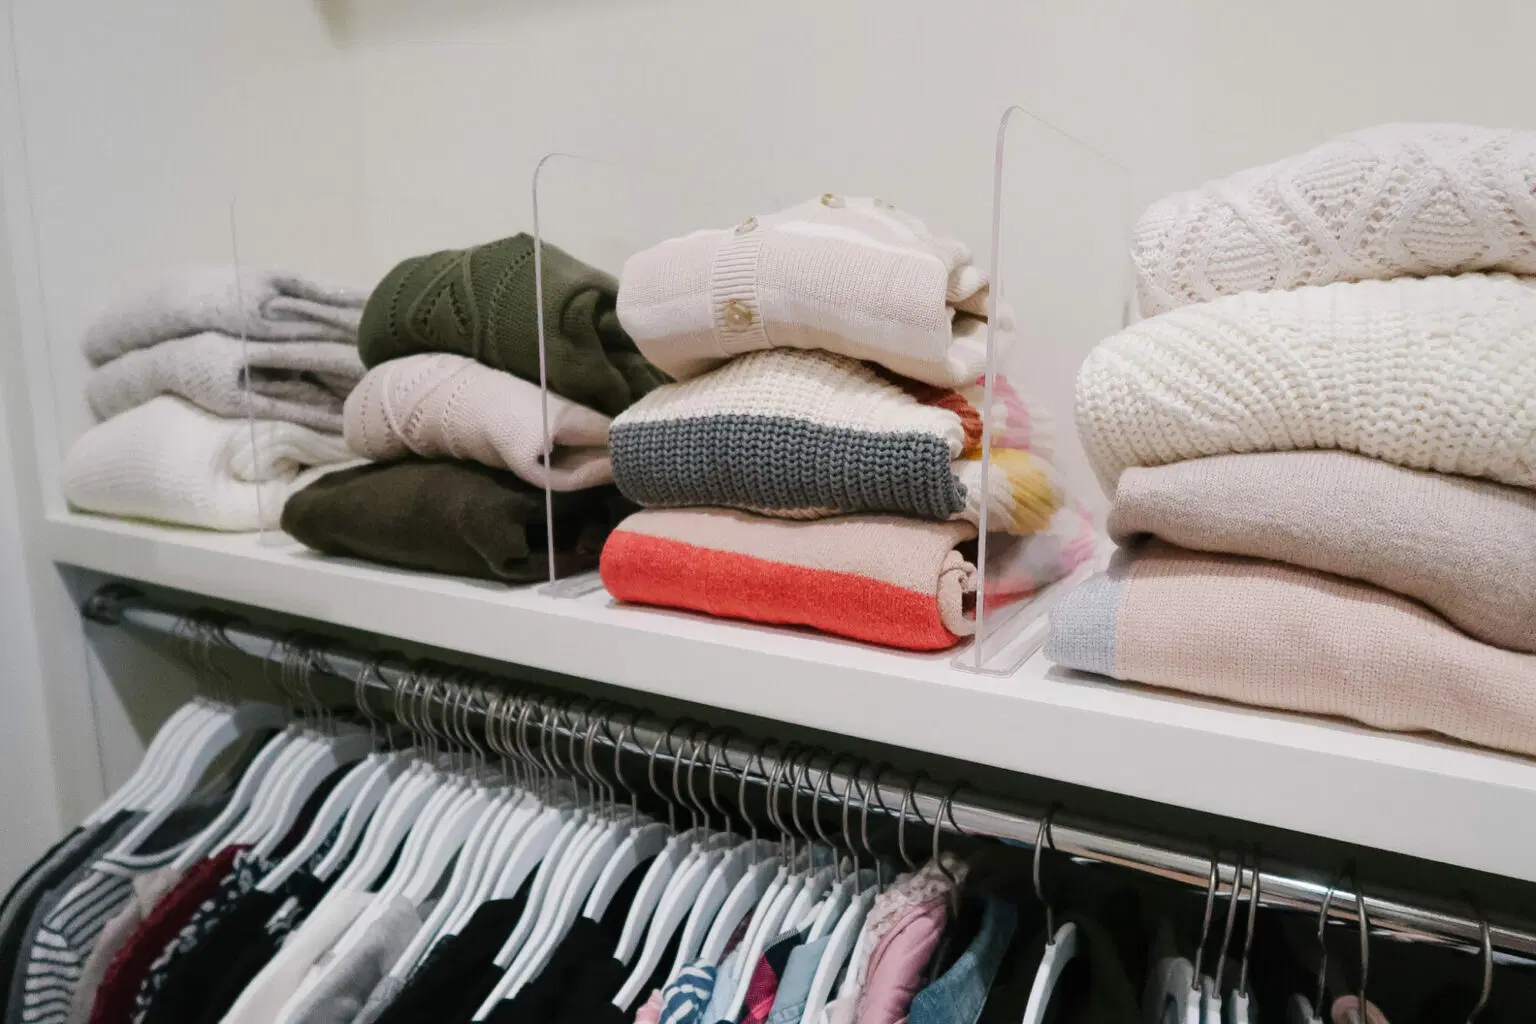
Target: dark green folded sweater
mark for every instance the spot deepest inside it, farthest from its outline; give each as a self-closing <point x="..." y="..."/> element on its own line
<point x="480" y="303"/>
<point x="459" y="518"/>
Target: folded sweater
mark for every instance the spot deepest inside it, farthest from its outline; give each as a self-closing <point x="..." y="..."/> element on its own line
<point x="807" y="434"/>
<point x="259" y="305"/>
<point x="884" y="579"/>
<point x="1389" y="201"/>
<point x="849" y="275"/>
<point x="1433" y="373"/>
<point x="1466" y="548"/>
<point x="458" y="518"/>
<point x="304" y="382"/>
<point x="481" y="303"/>
<point x="1278" y="636"/>
<point x="440" y="405"/>
<point x="170" y="461"/>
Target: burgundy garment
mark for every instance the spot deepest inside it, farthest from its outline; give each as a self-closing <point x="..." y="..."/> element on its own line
<point x="119" y="986"/>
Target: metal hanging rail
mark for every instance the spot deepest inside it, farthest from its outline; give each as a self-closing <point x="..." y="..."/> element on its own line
<point x="965" y="811"/>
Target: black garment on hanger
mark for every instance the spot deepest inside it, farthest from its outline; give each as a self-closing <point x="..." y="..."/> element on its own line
<point x="460" y="971"/>
<point x="581" y="968"/>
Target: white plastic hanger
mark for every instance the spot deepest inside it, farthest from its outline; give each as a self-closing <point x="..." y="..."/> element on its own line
<point x="166" y="740"/>
<point x="1210" y="985"/>
<point x="211" y="740"/>
<point x="750" y="890"/>
<point x="257" y="777"/>
<point x="645" y="839"/>
<point x="335" y="752"/>
<point x="363" y="785"/>
<point x="1061" y="948"/>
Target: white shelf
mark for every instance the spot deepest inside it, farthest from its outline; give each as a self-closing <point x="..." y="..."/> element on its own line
<point x="1408" y="794"/>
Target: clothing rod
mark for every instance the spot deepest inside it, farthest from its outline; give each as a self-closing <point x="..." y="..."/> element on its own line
<point x="966" y="811"/>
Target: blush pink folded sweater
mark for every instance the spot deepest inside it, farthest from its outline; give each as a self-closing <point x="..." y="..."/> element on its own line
<point x="444" y="406"/>
<point x="1277" y="636"/>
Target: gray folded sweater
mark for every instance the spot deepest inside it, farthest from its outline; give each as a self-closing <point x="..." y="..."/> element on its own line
<point x="304" y="382"/>
<point x="261" y="305"/>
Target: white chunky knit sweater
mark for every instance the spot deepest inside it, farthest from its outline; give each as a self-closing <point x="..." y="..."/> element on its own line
<point x="1390" y="201"/>
<point x="1433" y="373"/>
<point x="170" y="461"/>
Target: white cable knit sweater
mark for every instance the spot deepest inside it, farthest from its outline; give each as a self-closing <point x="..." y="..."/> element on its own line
<point x="1390" y="201"/>
<point x="1435" y="373"/>
<point x="170" y="461"/>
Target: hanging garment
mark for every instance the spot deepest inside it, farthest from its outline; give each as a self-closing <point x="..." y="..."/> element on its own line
<point x="684" y="998"/>
<point x="169" y="461"/>
<point x="303" y="382"/>
<point x="341" y="991"/>
<point x="650" y="1010"/>
<point x="904" y="928"/>
<point x="795" y="984"/>
<point x="720" y="996"/>
<point x="173" y="989"/>
<point x="763" y="984"/>
<point x="959" y="994"/>
<point x="849" y="275"/>
<point x="884" y="579"/>
<point x="459" y="518"/>
<point x="67" y="927"/>
<point x="251" y="936"/>
<point x="481" y="303"/>
<point x="445" y="406"/>
<point x="80" y="846"/>
<point x="270" y="990"/>
<point x="148" y="889"/>
<point x="238" y="301"/>
<point x="1430" y="373"/>
<point x="1390" y="201"/>
<point x="457" y="975"/>
<point x="1263" y="633"/>
<point x="810" y="434"/>
<point x="130" y="965"/>
<point x="1346" y="1010"/>
<point x="1466" y="548"/>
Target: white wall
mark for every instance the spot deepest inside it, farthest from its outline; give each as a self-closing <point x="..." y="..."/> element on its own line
<point x="338" y="135"/>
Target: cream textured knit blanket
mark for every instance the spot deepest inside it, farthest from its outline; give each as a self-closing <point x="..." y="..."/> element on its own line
<point x="1436" y="373"/>
<point x="849" y="275"/>
<point x="446" y="406"/>
<point x="1277" y="636"/>
<point x="304" y="382"/>
<point x="1466" y="548"/>
<point x="808" y="434"/>
<point x="1395" y="200"/>
<point x="169" y="461"/>
<point x="260" y="305"/>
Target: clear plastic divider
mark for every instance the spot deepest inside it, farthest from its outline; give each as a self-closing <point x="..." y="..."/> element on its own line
<point x="1059" y="269"/>
<point x="601" y="211"/>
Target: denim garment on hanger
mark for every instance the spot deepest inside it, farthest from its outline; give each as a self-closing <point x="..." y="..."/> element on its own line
<point x="795" y="985"/>
<point x="957" y="997"/>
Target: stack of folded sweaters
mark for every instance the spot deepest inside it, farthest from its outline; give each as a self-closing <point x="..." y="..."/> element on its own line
<point x="818" y="461"/>
<point x="219" y="393"/>
<point x="451" y="414"/>
<point x="1322" y="443"/>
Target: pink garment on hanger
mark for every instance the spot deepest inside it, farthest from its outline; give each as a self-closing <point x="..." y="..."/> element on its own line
<point x="1346" y="1010"/>
<point x="905" y="926"/>
<point x="650" y="1012"/>
<point x="761" y="988"/>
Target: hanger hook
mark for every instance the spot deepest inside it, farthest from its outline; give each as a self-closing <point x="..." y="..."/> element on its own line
<point x="828" y="841"/>
<point x="618" y="763"/>
<point x="1210" y="907"/>
<point x="741" y="788"/>
<point x="800" y="771"/>
<point x="879" y="798"/>
<point x="650" y="772"/>
<point x="1322" y="944"/>
<point x="1043" y="839"/>
<point x="1226" y="933"/>
<point x="946" y="810"/>
<point x="1487" y="937"/>
<point x="1254" y="896"/>
<point x="721" y="756"/>
<point x="1365" y="941"/>
<point x="901" y="823"/>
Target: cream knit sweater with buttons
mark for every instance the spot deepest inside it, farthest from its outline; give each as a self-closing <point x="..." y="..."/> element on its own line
<point x="1436" y="373"/>
<point x="169" y="461"/>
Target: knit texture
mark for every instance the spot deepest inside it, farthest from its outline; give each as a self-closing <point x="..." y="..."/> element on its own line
<point x="1020" y="567"/>
<point x="258" y="305"/>
<point x="446" y="406"/>
<point x="1435" y="373"/>
<point x="809" y="434"/>
<point x="1464" y="547"/>
<point x="169" y="461"/>
<point x="1277" y="636"/>
<point x="482" y="303"/>
<point x="883" y="579"/>
<point x="1390" y="201"/>
<point x="458" y="518"/>
<point x="303" y="382"/>
<point x="849" y="275"/>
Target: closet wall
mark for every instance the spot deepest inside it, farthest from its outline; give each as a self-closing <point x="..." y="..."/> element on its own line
<point x="136" y="134"/>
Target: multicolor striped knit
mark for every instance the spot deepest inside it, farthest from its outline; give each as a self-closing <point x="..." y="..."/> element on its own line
<point x="810" y="434"/>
